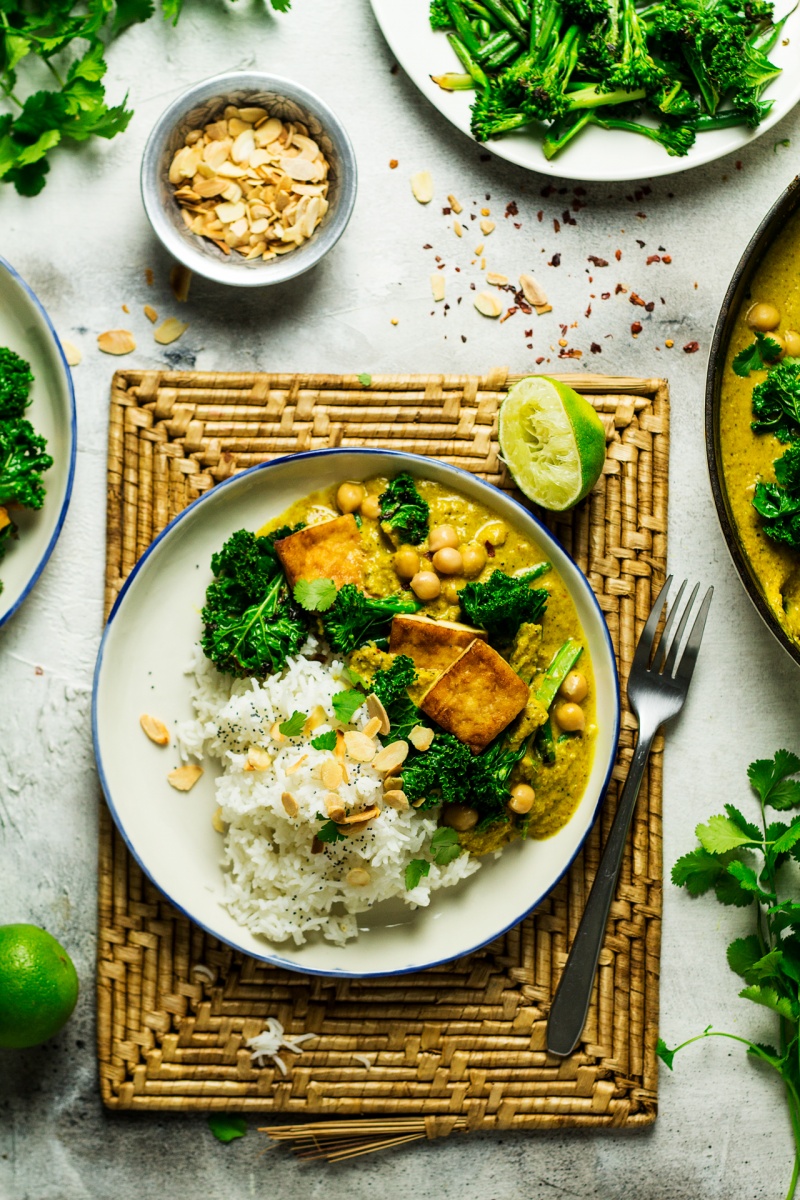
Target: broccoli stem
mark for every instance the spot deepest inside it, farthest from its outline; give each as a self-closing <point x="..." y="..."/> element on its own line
<point x="564" y="130"/>
<point x="472" y="68"/>
<point x="592" y="97"/>
<point x="727" y="119"/>
<point x="544" y="743"/>
<point x="452" y="82"/>
<point x="563" y="662"/>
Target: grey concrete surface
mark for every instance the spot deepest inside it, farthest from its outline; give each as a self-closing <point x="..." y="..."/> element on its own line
<point x="84" y="245"/>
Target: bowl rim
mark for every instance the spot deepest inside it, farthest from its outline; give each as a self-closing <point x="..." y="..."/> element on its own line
<point x="73" y="438"/>
<point x="787" y="204"/>
<point x="193" y="256"/>
<point x="276" y="959"/>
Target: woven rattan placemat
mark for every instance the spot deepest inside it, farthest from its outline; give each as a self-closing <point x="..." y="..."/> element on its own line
<point x="461" y="1046"/>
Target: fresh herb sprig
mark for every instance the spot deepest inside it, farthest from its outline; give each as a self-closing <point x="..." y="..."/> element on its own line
<point x="444" y="848"/>
<point x="758" y="356"/>
<point x="778" y="504"/>
<point x="504" y="602"/>
<point x="776" y="402"/>
<point x="741" y="861"/>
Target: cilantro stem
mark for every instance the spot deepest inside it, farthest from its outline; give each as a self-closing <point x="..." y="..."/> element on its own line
<point x="54" y="72"/>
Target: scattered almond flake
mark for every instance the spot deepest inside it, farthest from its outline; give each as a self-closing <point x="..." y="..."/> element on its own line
<point x="295" y="766"/>
<point x="372" y="727"/>
<point x="533" y="292"/>
<point x="360" y="747"/>
<point x="360" y="818"/>
<point x="437" y="285"/>
<point x="497" y="280"/>
<point x="156" y="730"/>
<point x="457" y="230"/>
<point x="276" y="735"/>
<point x="72" y="353"/>
<point x="422" y="187"/>
<point x="421" y="737"/>
<point x="454" y="204"/>
<point x="170" y="330"/>
<point x="116" y="341"/>
<point x="365" y="1062"/>
<point x="257" y="759"/>
<point x="358" y="877"/>
<point x="375" y="708"/>
<point x="479" y="250"/>
<point x="488" y="305"/>
<point x="217" y="822"/>
<point x="180" y="278"/>
<point x="291" y="807"/>
<point x="543" y="308"/>
<point x="391" y="756"/>
<point x="184" y="778"/>
<point x="315" y="718"/>
<point x="486" y="227"/>
<point x="125" y="308"/>
<point x="274" y="1038"/>
<point x="485" y="212"/>
<point x="331" y="774"/>
<point x="395" y="799"/>
<point x="150" y="313"/>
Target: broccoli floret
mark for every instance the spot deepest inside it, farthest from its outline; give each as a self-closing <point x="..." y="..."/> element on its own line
<point x="449" y="771"/>
<point x="586" y="12"/>
<point x="779" y="503"/>
<point x="251" y="625"/>
<point x="15" y="384"/>
<point x="636" y="67"/>
<point x="776" y="402"/>
<point x="404" y="513"/>
<point x="503" y="603"/>
<point x="676" y="139"/>
<point x="354" y="618"/>
<point x="439" y="16"/>
<point x="22" y="462"/>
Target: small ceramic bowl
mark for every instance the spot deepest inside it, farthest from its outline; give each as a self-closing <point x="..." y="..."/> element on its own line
<point x="205" y="102"/>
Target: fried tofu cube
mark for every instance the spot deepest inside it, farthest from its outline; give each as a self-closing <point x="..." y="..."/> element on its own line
<point x="476" y="697"/>
<point x="330" y="550"/>
<point x="434" y="644"/>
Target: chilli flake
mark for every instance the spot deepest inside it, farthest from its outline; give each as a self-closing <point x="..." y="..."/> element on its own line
<point x="271" y="1040"/>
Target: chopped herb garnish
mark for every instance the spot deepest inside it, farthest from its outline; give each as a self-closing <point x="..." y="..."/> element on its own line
<point x="444" y="846"/>
<point x="325" y="741"/>
<point x="294" y="725"/>
<point x="315" y="595"/>
<point x="759" y="355"/>
<point x="417" y="869"/>
<point x="227" y="1129"/>
<point x="329" y="833"/>
<point x="347" y="703"/>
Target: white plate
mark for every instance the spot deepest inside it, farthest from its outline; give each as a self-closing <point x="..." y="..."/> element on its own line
<point x="599" y="155"/>
<point x="25" y="327"/>
<point x="141" y="667"/>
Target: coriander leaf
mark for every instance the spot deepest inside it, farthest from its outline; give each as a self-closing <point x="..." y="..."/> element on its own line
<point x="366" y="381"/>
<point x="747" y="827"/>
<point x="294" y="725"/>
<point x="787" y="840"/>
<point x="768" y="777"/>
<point x="748" y="879"/>
<point x="352" y="676"/>
<point x="226" y="1129"/>
<point x="325" y="741"/>
<point x="768" y="966"/>
<point x="697" y="871"/>
<point x="721" y="835"/>
<point x="445" y="846"/>
<point x="728" y="890"/>
<point x="783" y="916"/>
<point x="130" y="12"/>
<point x="329" y="833"/>
<point x="346" y="704"/>
<point x="757" y="356"/>
<point x="743" y="954"/>
<point x="770" y="999"/>
<point x="667" y="1056"/>
<point x="415" y="871"/>
<point x="315" y="595"/>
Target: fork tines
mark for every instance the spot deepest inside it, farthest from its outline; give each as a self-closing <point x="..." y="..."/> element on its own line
<point x="668" y="655"/>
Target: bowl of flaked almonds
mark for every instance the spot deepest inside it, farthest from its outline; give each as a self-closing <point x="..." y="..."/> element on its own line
<point x="248" y="179"/>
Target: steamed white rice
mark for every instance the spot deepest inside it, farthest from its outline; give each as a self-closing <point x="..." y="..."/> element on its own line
<point x="273" y="883"/>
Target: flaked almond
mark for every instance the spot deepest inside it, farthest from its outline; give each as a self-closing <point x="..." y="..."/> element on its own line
<point x="375" y="709"/>
<point x="217" y="821"/>
<point x="244" y="145"/>
<point x="296" y="765"/>
<point x="300" y="169"/>
<point x="496" y="280"/>
<point x="180" y="279"/>
<point x="229" y="170"/>
<point x="372" y="727"/>
<point x="358" y="877"/>
<point x="170" y="330"/>
<point x="458" y="229"/>
<point x="362" y="817"/>
<point x="184" y="778"/>
<point x="488" y="305"/>
<point x="116" y="341"/>
<point x="72" y="354"/>
<point x="421" y="737"/>
<point x="212" y="187"/>
<point x="533" y="292"/>
<point x="229" y="212"/>
<point x="486" y="227"/>
<point x="422" y="187"/>
<point x="479" y="250"/>
<point x="541" y="309"/>
<point x="334" y="806"/>
<point x="315" y="718"/>
<point x="454" y="204"/>
<point x="291" y="807"/>
<point x="257" y="759"/>
<point x="359" y="747"/>
<point x="391" y="756"/>
<point x="396" y="799"/>
<point x="156" y="730"/>
<point x="252" y="114"/>
<point x="150" y="313"/>
<point x="437" y="285"/>
<point x="418" y="802"/>
<point x="276" y="735"/>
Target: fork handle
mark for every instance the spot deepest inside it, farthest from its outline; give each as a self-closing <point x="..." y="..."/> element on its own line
<point x="571" y="1001"/>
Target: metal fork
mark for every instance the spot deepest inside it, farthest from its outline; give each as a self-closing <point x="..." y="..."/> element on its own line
<point x="659" y="680"/>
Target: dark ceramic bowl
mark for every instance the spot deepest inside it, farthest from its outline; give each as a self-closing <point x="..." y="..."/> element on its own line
<point x="772" y="225"/>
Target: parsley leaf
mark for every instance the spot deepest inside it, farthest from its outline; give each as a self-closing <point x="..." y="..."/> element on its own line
<point x="346" y="704"/>
<point x="325" y="741"/>
<point x="294" y="725"/>
<point x="444" y="846"/>
<point x="722" y="834"/>
<point x="315" y="595"/>
<point x="415" y="871"/>
<point x="329" y="833"/>
<point x="226" y="1129"/>
<point x="757" y="356"/>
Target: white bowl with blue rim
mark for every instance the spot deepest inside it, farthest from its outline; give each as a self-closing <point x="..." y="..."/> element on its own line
<point x="26" y="328"/>
<point x="141" y="668"/>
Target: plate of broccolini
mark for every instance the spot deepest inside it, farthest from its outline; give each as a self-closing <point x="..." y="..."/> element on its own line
<point x="37" y="439"/>
<point x="602" y="90"/>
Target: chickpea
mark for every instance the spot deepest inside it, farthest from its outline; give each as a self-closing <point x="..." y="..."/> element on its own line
<point x="495" y="533"/>
<point x="350" y="497"/>
<point x="570" y="718"/>
<point x="406" y="562"/>
<point x="764" y="317"/>
<point x="473" y="559"/>
<point x="442" y="536"/>
<point x="426" y="585"/>
<point x="447" y="561"/>
<point x="791" y="340"/>
<point x="522" y="798"/>
<point x="371" y="507"/>
<point x="459" y="817"/>
<point x="574" y="687"/>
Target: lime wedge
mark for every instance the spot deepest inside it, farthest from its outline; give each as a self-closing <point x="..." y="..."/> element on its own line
<point x="552" y="441"/>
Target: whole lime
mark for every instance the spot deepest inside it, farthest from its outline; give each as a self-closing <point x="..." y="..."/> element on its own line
<point x="38" y="986"/>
